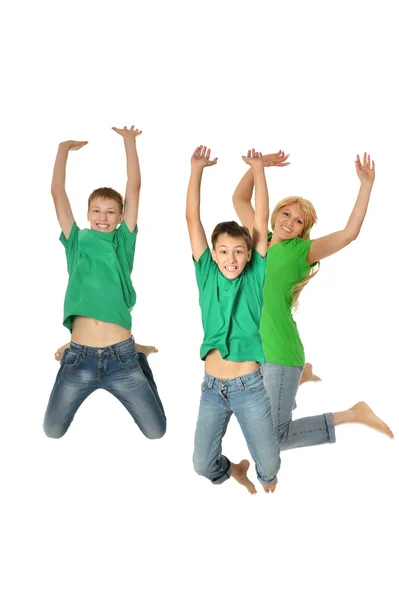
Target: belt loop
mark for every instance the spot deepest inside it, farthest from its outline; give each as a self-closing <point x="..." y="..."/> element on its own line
<point x="211" y="381"/>
<point x="240" y="383"/>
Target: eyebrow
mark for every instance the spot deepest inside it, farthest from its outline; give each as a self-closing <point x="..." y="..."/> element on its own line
<point x="108" y="207"/>
<point x="224" y="246"/>
<point x="297" y="217"/>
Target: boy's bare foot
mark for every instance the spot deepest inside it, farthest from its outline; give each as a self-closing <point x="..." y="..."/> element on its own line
<point x="60" y="352"/>
<point x="147" y="350"/>
<point x="239" y="472"/>
<point x="308" y="375"/>
<point x="270" y="487"/>
<point x="363" y="414"/>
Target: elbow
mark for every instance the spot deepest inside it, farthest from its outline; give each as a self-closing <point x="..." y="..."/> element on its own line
<point x="55" y="192"/>
<point x="351" y="236"/>
<point x="236" y="200"/>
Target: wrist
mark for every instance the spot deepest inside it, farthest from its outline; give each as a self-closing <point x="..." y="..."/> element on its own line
<point x="258" y="170"/>
<point x="197" y="169"/>
<point x="366" y="185"/>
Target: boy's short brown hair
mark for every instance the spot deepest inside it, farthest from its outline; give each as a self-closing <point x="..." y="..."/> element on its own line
<point x="233" y="229"/>
<point x="106" y="192"/>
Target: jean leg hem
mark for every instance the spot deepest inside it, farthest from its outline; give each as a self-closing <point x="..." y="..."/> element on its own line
<point x="330" y="427"/>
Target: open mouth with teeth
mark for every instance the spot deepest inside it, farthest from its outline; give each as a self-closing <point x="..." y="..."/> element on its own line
<point x="286" y="229"/>
<point x="102" y="226"/>
<point x="231" y="268"/>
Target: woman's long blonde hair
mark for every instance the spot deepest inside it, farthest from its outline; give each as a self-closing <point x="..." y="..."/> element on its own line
<point x="310" y="220"/>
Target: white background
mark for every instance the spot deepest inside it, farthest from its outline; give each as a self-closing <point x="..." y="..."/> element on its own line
<point x="104" y="512"/>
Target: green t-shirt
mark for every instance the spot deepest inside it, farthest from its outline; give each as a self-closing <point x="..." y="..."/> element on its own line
<point x="99" y="266"/>
<point x="286" y="266"/>
<point x="231" y="308"/>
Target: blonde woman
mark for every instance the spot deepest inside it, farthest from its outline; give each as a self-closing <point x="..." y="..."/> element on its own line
<point x="293" y="259"/>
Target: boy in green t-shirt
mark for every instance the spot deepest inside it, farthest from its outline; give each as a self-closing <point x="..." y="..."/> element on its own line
<point x="230" y="279"/>
<point x="98" y="302"/>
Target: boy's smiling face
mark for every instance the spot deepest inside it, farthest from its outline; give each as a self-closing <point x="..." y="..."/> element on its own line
<point x="104" y="214"/>
<point x="231" y="255"/>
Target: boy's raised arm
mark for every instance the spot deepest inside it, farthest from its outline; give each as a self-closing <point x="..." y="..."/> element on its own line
<point x="199" y="160"/>
<point x="133" y="184"/>
<point x="261" y="214"/>
<point x="58" y="192"/>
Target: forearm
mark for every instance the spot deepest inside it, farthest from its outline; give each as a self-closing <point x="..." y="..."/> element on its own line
<point x="59" y="172"/>
<point x="132" y="165"/>
<point x="194" y="195"/>
<point x="358" y="213"/>
<point x="261" y="197"/>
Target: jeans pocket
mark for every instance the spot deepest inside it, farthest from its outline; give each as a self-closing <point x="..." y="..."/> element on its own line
<point x="70" y="360"/>
<point x="127" y="359"/>
<point x="255" y="384"/>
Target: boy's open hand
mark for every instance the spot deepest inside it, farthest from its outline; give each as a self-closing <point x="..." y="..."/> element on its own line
<point x="128" y="134"/>
<point x="278" y="159"/>
<point x="201" y="158"/>
<point x="72" y="145"/>
<point x="365" y="170"/>
<point x="254" y="158"/>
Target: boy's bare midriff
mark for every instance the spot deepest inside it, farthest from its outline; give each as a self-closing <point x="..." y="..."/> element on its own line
<point x="98" y="334"/>
<point x="216" y="366"/>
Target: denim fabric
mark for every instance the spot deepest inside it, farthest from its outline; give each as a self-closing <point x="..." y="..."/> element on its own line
<point x="120" y="370"/>
<point x="245" y="397"/>
<point x="281" y="385"/>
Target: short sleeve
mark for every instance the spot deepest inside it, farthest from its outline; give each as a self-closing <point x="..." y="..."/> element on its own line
<point x="129" y="239"/>
<point x="204" y="266"/>
<point x="71" y="247"/>
<point x="301" y="248"/>
<point x="257" y="266"/>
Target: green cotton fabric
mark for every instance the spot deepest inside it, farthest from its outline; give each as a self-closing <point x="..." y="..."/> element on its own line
<point x="286" y="266"/>
<point x="99" y="266"/>
<point x="231" y="308"/>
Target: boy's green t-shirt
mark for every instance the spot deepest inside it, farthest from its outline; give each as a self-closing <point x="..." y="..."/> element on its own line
<point x="286" y="266"/>
<point x="99" y="266"/>
<point x="231" y="308"/>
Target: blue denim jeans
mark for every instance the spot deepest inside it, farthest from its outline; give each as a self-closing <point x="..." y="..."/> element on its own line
<point x="120" y="370"/>
<point x="281" y="385"/>
<point x="246" y="398"/>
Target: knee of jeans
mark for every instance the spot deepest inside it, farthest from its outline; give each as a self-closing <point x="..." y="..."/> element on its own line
<point x="201" y="466"/>
<point x="156" y="433"/>
<point x="53" y="431"/>
<point x="282" y="433"/>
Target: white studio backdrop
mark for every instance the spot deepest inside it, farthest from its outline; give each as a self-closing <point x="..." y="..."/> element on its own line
<point x="103" y="512"/>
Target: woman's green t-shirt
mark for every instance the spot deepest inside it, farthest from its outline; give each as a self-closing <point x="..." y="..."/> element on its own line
<point x="286" y="266"/>
<point x="99" y="266"/>
<point x="231" y="308"/>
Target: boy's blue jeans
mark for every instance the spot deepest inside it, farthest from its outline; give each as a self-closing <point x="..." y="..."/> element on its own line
<point x="281" y="385"/>
<point x="120" y="370"/>
<point x="246" y="398"/>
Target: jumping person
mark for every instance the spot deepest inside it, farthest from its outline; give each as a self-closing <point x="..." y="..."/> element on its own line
<point x="230" y="279"/>
<point x="293" y="259"/>
<point x="98" y="302"/>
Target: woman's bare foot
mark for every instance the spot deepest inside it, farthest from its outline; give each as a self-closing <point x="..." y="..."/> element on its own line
<point x="147" y="350"/>
<point x="362" y="413"/>
<point x="270" y="487"/>
<point x="60" y="352"/>
<point x="308" y="375"/>
<point x="239" y="472"/>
